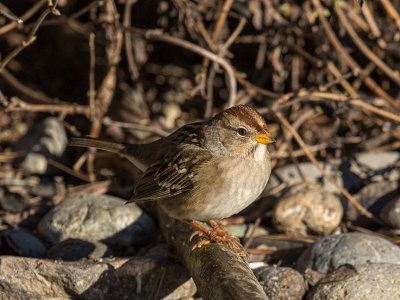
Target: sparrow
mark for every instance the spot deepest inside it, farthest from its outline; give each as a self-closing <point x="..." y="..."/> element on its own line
<point x="204" y="171"/>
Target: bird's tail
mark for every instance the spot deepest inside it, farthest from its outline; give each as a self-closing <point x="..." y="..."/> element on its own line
<point x="98" y="144"/>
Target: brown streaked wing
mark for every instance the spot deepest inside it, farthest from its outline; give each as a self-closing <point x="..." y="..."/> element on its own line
<point x="170" y="177"/>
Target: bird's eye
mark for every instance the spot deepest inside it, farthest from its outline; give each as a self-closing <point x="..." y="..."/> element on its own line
<point x="242" y="131"/>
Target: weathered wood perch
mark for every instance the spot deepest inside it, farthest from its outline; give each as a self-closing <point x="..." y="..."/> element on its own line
<point x="219" y="272"/>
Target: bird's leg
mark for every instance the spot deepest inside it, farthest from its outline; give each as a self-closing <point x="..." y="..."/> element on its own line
<point x="216" y="235"/>
<point x="222" y="233"/>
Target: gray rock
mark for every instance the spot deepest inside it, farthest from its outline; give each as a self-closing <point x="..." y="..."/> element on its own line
<point x="374" y="196"/>
<point x="377" y="161"/>
<point x="93" y="217"/>
<point x="43" y="141"/>
<point x="109" y="278"/>
<point x="330" y="252"/>
<point x="12" y="201"/>
<point x="308" y="208"/>
<point x="390" y="213"/>
<point x="368" y="281"/>
<point x="281" y="283"/>
<point x="25" y="243"/>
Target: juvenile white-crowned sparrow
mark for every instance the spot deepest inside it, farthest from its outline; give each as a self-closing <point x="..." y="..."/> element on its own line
<point x="204" y="171"/>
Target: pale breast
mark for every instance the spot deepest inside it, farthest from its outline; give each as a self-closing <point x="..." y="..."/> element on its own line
<point x="231" y="185"/>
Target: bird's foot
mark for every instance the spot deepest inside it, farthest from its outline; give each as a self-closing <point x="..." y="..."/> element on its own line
<point x="215" y="235"/>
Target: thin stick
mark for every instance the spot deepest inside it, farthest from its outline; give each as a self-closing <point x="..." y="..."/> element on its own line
<point x="343" y="82"/>
<point x="370" y="19"/>
<point x="292" y="157"/>
<point x="133" y="70"/>
<point x="251" y="235"/>
<point x="304" y="117"/>
<point x="162" y="276"/>
<point x="68" y="170"/>
<point x="376" y="110"/>
<point x="233" y="37"/>
<point x="19" y="105"/>
<point x="92" y="88"/>
<point x="210" y="92"/>
<point x="203" y="31"/>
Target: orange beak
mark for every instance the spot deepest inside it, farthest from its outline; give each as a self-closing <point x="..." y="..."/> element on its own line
<point x="265" y="138"/>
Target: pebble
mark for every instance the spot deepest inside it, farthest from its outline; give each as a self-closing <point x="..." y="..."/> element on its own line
<point x="367" y="281"/>
<point x="308" y="208"/>
<point x="390" y="213"/>
<point x="281" y="283"/>
<point x="373" y="197"/>
<point x="24" y="243"/>
<point x="92" y="217"/>
<point x="43" y="141"/>
<point x="11" y="201"/>
<point x="330" y="252"/>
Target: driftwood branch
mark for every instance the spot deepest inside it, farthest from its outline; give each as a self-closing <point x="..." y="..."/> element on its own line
<point x="219" y="272"/>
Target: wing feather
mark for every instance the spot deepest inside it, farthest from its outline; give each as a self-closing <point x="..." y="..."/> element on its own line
<point x="172" y="176"/>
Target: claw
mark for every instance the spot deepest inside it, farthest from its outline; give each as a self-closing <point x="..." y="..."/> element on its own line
<point x="216" y="235"/>
<point x="193" y="235"/>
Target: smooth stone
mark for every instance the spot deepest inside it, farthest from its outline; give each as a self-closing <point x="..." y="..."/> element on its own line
<point x="92" y="217"/>
<point x="43" y="141"/>
<point x="308" y="208"/>
<point x="367" y="281"/>
<point x="330" y="252"/>
<point x="75" y="249"/>
<point x="281" y="283"/>
<point x="24" y="243"/>
<point x="373" y="197"/>
<point x="390" y="213"/>
<point x="378" y="160"/>
<point x="11" y="201"/>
